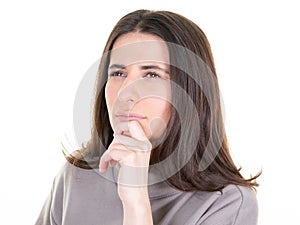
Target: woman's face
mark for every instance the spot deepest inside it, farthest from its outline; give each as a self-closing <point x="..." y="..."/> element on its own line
<point x="138" y="86"/>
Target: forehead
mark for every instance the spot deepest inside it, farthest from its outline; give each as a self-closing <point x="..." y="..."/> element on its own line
<point x="134" y="48"/>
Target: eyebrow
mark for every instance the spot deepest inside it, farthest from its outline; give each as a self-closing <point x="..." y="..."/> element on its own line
<point x="117" y="66"/>
<point x="146" y="67"/>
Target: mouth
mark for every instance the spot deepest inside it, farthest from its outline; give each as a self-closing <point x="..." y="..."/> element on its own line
<point x="126" y="116"/>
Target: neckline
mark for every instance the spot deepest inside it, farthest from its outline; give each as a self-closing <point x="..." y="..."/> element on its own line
<point x="160" y="190"/>
<point x="156" y="190"/>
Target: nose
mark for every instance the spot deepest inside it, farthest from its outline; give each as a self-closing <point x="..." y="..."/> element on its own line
<point x="129" y="91"/>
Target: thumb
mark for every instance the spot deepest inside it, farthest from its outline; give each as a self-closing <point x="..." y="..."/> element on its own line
<point x="137" y="131"/>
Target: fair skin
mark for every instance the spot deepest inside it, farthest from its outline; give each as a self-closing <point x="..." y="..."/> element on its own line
<point x="138" y="96"/>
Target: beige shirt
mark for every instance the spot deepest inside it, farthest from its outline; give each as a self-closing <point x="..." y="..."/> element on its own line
<point x="85" y="197"/>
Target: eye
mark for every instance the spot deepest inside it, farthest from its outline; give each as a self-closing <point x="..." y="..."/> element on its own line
<point x="152" y="75"/>
<point x="117" y="74"/>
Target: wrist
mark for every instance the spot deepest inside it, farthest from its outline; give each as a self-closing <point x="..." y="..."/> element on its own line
<point x="136" y="197"/>
<point x="137" y="212"/>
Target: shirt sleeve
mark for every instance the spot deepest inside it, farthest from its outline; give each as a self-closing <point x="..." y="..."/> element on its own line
<point x="237" y="206"/>
<point x="51" y="213"/>
<point x="44" y="217"/>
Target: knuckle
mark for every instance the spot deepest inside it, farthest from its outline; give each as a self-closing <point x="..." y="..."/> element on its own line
<point x="110" y="150"/>
<point x="146" y="146"/>
<point x="131" y="156"/>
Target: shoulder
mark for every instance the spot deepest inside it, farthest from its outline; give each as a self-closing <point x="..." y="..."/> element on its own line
<point x="64" y="171"/>
<point x="69" y="168"/>
<point x="62" y="178"/>
<point x="246" y="208"/>
<point x="239" y="194"/>
<point x="69" y="173"/>
<point x="236" y="205"/>
<point x="73" y="176"/>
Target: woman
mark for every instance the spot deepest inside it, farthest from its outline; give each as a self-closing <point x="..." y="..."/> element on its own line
<point x="158" y="153"/>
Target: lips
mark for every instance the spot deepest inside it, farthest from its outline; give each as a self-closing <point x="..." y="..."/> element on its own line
<point x="129" y="116"/>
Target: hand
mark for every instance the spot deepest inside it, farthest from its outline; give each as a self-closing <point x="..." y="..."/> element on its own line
<point x="132" y="152"/>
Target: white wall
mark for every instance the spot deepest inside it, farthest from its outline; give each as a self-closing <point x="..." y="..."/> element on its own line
<point x="47" y="46"/>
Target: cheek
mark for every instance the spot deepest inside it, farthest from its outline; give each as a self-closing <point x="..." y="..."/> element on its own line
<point x="155" y="107"/>
<point x="110" y="95"/>
<point x="158" y="116"/>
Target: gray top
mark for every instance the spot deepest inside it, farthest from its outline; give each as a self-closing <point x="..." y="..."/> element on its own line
<point x="84" y="197"/>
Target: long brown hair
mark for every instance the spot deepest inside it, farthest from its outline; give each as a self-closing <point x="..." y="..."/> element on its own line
<point x="220" y="169"/>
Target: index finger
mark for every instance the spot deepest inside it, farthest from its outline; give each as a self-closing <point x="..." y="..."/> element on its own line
<point x="136" y="130"/>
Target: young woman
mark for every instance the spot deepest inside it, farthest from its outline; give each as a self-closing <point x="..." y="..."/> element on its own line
<point x="158" y="152"/>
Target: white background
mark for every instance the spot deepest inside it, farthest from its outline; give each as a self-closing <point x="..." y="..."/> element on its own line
<point x="47" y="46"/>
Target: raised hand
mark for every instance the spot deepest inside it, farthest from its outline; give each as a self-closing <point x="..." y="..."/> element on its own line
<point x="132" y="152"/>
